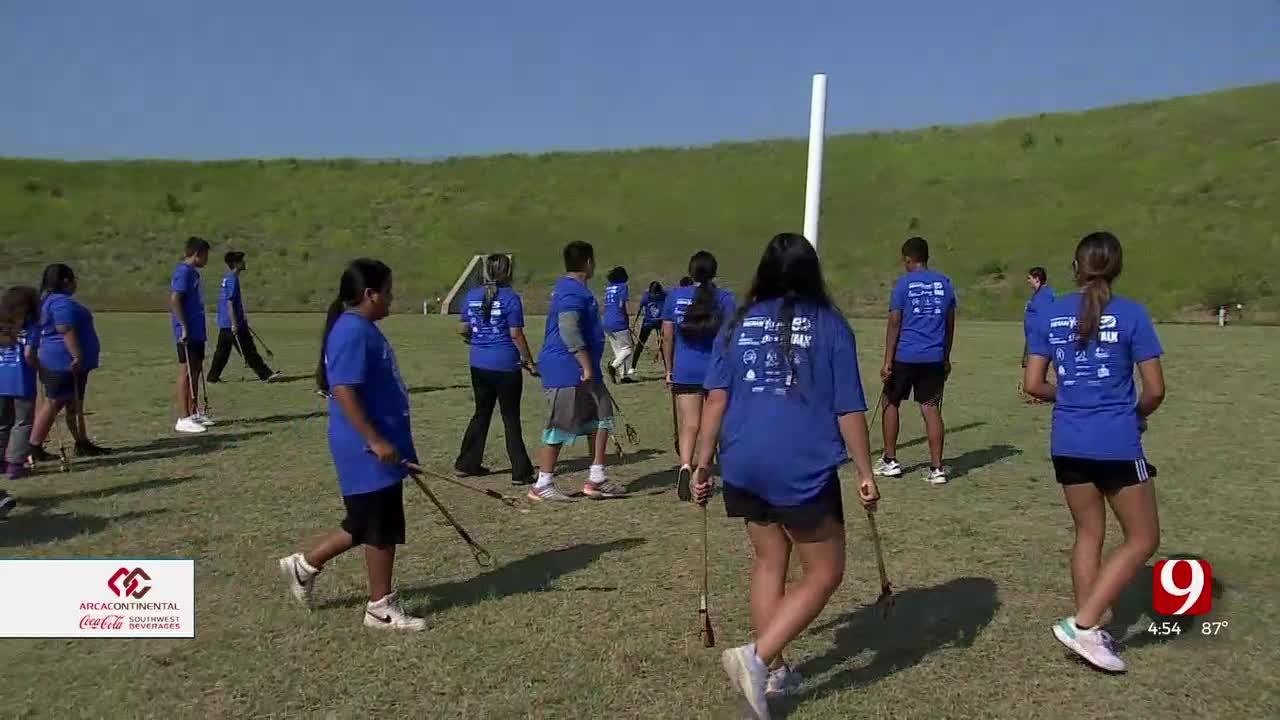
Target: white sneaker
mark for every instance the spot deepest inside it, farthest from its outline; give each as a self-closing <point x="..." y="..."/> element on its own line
<point x="748" y="677"/>
<point x="550" y="493"/>
<point x="202" y="420"/>
<point x="301" y="578"/>
<point x="189" y="425"/>
<point x="888" y="468"/>
<point x="7" y="503"/>
<point x="783" y="681"/>
<point x="1094" y="645"/>
<point x="936" y="476"/>
<point x="386" y="614"/>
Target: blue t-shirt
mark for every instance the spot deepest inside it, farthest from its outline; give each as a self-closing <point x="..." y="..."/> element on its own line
<point x="558" y="366"/>
<point x="692" y="356"/>
<point x="491" y="345"/>
<point x="357" y="354"/>
<point x="615" y="320"/>
<point x="651" y="309"/>
<point x="925" y="298"/>
<point x="806" y="397"/>
<point x="186" y="282"/>
<point x="17" y="377"/>
<point x="1040" y="300"/>
<point x="61" y="310"/>
<point x="1096" y="415"/>
<point x="230" y="301"/>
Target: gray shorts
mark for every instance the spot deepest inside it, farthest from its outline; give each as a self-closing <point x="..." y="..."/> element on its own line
<point x="578" y="411"/>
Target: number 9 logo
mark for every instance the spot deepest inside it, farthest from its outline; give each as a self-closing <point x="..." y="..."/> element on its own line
<point x="1182" y="587"/>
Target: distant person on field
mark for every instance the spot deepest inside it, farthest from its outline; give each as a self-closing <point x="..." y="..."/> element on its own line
<point x="650" y="317"/>
<point x="186" y="306"/>
<point x="369" y="439"/>
<point x="493" y="325"/>
<point x="233" y="326"/>
<point x="570" y="367"/>
<point x="68" y="352"/>
<point x="617" y="323"/>
<point x="19" y="339"/>
<point x="1094" y="340"/>
<point x="1041" y="297"/>
<point x="917" y="355"/>
<point x="692" y="316"/>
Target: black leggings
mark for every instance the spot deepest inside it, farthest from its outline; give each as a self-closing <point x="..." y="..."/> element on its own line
<point x="503" y="389"/>
<point x="639" y="352"/>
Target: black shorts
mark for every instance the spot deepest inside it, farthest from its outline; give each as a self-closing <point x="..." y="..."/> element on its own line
<point x="1108" y="476"/>
<point x="753" y="508"/>
<point x="196" y="349"/>
<point x="376" y="518"/>
<point x="924" y="381"/>
<point x="687" y="389"/>
<point x="64" y="385"/>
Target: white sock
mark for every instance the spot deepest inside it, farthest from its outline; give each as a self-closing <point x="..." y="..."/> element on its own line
<point x="596" y="475"/>
<point x="544" y="480"/>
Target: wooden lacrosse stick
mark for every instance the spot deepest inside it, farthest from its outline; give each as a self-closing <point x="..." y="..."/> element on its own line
<point x="418" y="470"/>
<point x="885" y="601"/>
<point x="708" y="633"/>
<point x="482" y="556"/>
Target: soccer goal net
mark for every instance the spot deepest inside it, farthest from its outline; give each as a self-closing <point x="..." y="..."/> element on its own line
<point x="472" y="276"/>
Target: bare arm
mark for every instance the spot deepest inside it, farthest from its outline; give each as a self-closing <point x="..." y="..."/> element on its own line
<point x="522" y="344"/>
<point x="1152" y="374"/>
<point x="951" y="334"/>
<point x="73" y="344"/>
<point x="175" y="304"/>
<point x="892" y="331"/>
<point x="853" y="428"/>
<point x="709" y="431"/>
<point x="353" y="411"/>
<point x="1033" y="382"/>
<point x="668" y="346"/>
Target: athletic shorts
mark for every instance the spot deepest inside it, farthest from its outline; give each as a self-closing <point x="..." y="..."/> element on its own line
<point x="376" y="518"/>
<point x="687" y="389"/>
<point x="195" y="348"/>
<point x="64" y="385"/>
<point x="753" y="508"/>
<point x="924" y="381"/>
<point x="1108" y="476"/>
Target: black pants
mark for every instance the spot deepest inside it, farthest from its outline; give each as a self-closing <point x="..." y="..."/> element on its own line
<point x="504" y="389"/>
<point x="639" y="351"/>
<point x="241" y="342"/>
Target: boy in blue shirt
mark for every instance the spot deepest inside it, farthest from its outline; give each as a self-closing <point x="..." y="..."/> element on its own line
<point x="186" y="305"/>
<point x="650" y="317"/>
<point x="917" y="355"/>
<point x="233" y="326"/>
<point x="1041" y="297"/>
<point x="617" y="323"/>
<point x="1094" y="340"/>
<point x="369" y="439"/>
<point x="572" y="349"/>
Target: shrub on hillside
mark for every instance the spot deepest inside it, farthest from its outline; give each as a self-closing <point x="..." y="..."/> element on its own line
<point x="993" y="268"/>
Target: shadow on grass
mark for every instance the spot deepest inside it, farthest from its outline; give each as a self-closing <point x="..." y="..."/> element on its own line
<point x="579" y="464"/>
<point x="424" y="389"/>
<point x="924" y="439"/>
<point x="133" y="487"/>
<point x="188" y="441"/>
<point x="970" y="461"/>
<point x="535" y="573"/>
<point x="37" y="527"/>
<point x="164" y="448"/>
<point x="270" y="419"/>
<point x="1132" y="613"/>
<point x="924" y="621"/>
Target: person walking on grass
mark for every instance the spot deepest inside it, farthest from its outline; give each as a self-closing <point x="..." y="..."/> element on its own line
<point x="569" y="363"/>
<point x="1041" y="297"/>
<point x="68" y="351"/>
<point x="917" y="355"/>
<point x="617" y="323"/>
<point x="186" y="305"/>
<point x="369" y="439"/>
<point x="19" y="339"/>
<point x="785" y="485"/>
<point x="691" y="318"/>
<point x="650" y="318"/>
<point x="493" y="325"/>
<point x="1095" y="339"/>
<point x="233" y="326"/>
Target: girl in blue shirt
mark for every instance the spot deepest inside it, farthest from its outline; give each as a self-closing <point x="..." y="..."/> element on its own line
<point x="1041" y="297"/>
<point x="493" y="325"/>
<point x="68" y="352"/>
<point x="650" y="317"/>
<point x="369" y="438"/>
<point x="18" y="342"/>
<point x="789" y="361"/>
<point x="1094" y="339"/>
<point x="617" y="324"/>
<point x="691" y="318"/>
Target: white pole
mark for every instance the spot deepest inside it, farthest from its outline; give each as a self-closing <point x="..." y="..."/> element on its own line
<point x="817" y="139"/>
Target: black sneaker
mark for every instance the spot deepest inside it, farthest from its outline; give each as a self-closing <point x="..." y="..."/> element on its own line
<point x="684" y="483"/>
<point x="473" y="472"/>
<point x="39" y="454"/>
<point x="90" y="450"/>
<point x="213" y="380"/>
<point x="522" y="481"/>
<point x="7" y="503"/>
<point x="613" y="373"/>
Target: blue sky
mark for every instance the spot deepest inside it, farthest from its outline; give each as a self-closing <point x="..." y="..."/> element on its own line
<point x="427" y="79"/>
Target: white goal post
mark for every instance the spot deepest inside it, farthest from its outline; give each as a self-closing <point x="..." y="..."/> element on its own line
<point x="472" y="276"/>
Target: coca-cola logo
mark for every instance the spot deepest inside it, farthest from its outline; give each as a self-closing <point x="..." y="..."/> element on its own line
<point x="103" y="622"/>
<point x="126" y="582"/>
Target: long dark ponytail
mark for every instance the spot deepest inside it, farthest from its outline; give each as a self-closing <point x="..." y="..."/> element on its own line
<point x="1099" y="260"/>
<point x="360" y="275"/>
<point x="497" y="272"/>
<point x="703" y="317"/>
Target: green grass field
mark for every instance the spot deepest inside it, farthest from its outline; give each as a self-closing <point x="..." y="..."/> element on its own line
<point x="1189" y="185"/>
<point x="591" y="608"/>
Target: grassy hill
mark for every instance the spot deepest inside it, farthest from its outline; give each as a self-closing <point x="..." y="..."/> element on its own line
<point x="1191" y="185"/>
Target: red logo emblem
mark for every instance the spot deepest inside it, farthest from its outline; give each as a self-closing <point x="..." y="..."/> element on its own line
<point x="125" y="582"/>
<point x="1182" y="587"/>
